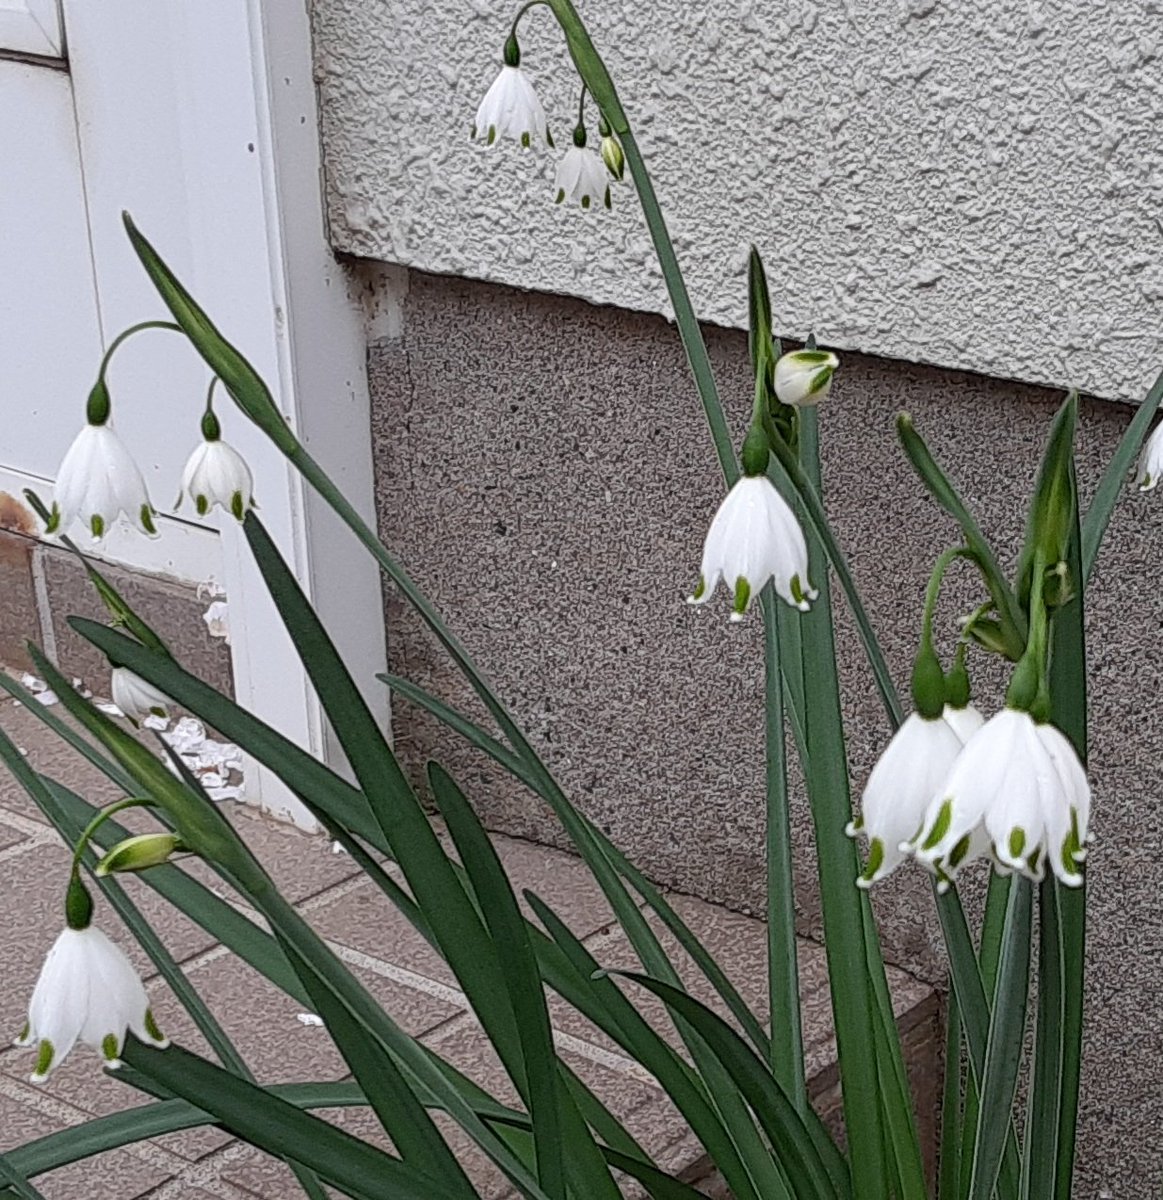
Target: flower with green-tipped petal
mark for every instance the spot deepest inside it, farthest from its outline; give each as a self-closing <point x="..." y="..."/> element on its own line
<point x="136" y="698"/>
<point x="88" y="991"/>
<point x="1151" y="461"/>
<point x="98" y="482"/>
<point x="804" y="377"/>
<point x="755" y="537"/>
<point x="1019" y="780"/>
<point x="216" y="474"/>
<point x="510" y="108"/>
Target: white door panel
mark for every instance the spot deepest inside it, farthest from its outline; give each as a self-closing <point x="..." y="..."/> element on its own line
<point x="31" y="27"/>
<point x="50" y="337"/>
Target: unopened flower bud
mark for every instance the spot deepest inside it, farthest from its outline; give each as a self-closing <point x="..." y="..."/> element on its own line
<point x="138" y="853"/>
<point x="804" y="377"/>
<point x="611" y="150"/>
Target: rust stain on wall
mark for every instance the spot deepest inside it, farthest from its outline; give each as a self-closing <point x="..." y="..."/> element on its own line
<point x="17" y="517"/>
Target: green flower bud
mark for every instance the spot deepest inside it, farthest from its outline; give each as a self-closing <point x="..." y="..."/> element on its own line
<point x="140" y="852"/>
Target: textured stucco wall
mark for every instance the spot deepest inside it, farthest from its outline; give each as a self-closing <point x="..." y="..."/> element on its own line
<point x="555" y="511"/>
<point x="971" y="185"/>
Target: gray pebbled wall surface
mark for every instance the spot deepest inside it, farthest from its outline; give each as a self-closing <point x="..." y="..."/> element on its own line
<point x="554" y="510"/>
<point x="970" y="185"/>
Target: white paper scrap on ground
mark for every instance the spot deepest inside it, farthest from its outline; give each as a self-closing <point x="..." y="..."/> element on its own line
<point x="309" y="1019"/>
<point x="218" y="765"/>
<point x="44" y="694"/>
<point x="217" y="615"/>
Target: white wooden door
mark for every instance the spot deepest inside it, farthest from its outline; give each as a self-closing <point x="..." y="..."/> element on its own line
<point x="198" y="116"/>
<point x="52" y="334"/>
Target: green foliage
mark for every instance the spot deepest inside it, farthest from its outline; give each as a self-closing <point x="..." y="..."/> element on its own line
<point x="739" y="1086"/>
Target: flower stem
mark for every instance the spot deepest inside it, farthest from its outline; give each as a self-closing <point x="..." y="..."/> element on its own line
<point x="521" y="12"/>
<point x="100" y="819"/>
<point x="933" y="591"/>
<point x="125" y="335"/>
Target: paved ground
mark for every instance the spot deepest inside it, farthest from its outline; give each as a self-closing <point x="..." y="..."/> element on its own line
<point x="396" y="964"/>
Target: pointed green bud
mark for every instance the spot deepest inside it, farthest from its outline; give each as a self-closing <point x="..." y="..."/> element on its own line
<point x="211" y="430"/>
<point x="579" y="136"/>
<point x="1052" y="516"/>
<point x="928" y="683"/>
<point x="139" y="853"/>
<point x="613" y="157"/>
<point x="512" y="52"/>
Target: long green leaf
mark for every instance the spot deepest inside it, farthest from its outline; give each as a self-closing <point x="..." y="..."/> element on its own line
<point x="1003" y="1051"/>
<point x="262" y="1118"/>
<point x="1012" y="618"/>
<point x="806" y="485"/>
<point x="783" y="975"/>
<point x="1063" y="956"/>
<point x="974" y="1006"/>
<point x="826" y="774"/>
<point x="949" y="1166"/>
<point x="614" y="1013"/>
<point x="507" y="927"/>
<point x="71" y="830"/>
<point x="518" y="767"/>
<point x="810" y="1173"/>
<point x="1113" y="480"/>
<point x="16" y="1181"/>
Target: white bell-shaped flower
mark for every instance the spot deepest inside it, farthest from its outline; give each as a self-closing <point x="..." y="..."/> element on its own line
<point x="136" y="698"/>
<point x="88" y="991"/>
<point x="582" y="178"/>
<point x="511" y="109"/>
<point x="1151" y="461"/>
<point x="1021" y="781"/>
<point x="216" y="474"/>
<point x="755" y="537"/>
<point x="804" y="377"/>
<point x="97" y="482"/>
<point x="913" y="766"/>
<point x="965" y="722"/>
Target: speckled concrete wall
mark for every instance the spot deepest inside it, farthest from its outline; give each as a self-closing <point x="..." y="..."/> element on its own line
<point x="555" y="510"/>
<point x="971" y="185"/>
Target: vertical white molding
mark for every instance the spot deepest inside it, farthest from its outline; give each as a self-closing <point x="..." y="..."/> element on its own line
<point x="181" y="123"/>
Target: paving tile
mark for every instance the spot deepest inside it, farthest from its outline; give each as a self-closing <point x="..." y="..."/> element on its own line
<point x="562" y="880"/>
<point x="123" y="1174"/>
<point x="10" y="836"/>
<point x="369" y="923"/>
<point x="50" y="755"/>
<point x="19" y="621"/>
<point x="301" y="864"/>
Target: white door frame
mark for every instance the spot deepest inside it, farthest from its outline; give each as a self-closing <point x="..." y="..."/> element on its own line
<point x="199" y="117"/>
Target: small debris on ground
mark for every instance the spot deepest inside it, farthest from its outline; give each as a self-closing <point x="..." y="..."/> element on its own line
<point x="309" y="1019"/>
<point x="44" y="694"/>
<point x="218" y="765"/>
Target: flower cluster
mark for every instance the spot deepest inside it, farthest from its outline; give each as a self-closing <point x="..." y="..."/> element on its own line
<point x="510" y="109"/>
<point x="99" y="482"/>
<point x="949" y="790"/>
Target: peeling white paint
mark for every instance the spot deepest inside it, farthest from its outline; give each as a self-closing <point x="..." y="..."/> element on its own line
<point x="973" y="186"/>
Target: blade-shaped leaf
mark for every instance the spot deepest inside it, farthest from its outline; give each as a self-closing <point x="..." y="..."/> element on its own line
<point x="1003" y="1050"/>
<point x="1012" y="618"/>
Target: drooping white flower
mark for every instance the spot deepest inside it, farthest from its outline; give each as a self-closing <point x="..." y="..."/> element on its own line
<point x="511" y="109"/>
<point x="1019" y="780"/>
<point x="216" y="473"/>
<point x="1151" y="461"/>
<point x="88" y="991"/>
<point x="911" y="768"/>
<point x="136" y="698"/>
<point x="804" y="377"/>
<point x="755" y="537"/>
<point x="582" y="178"/>
<point x="965" y="722"/>
<point x="97" y="482"/>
